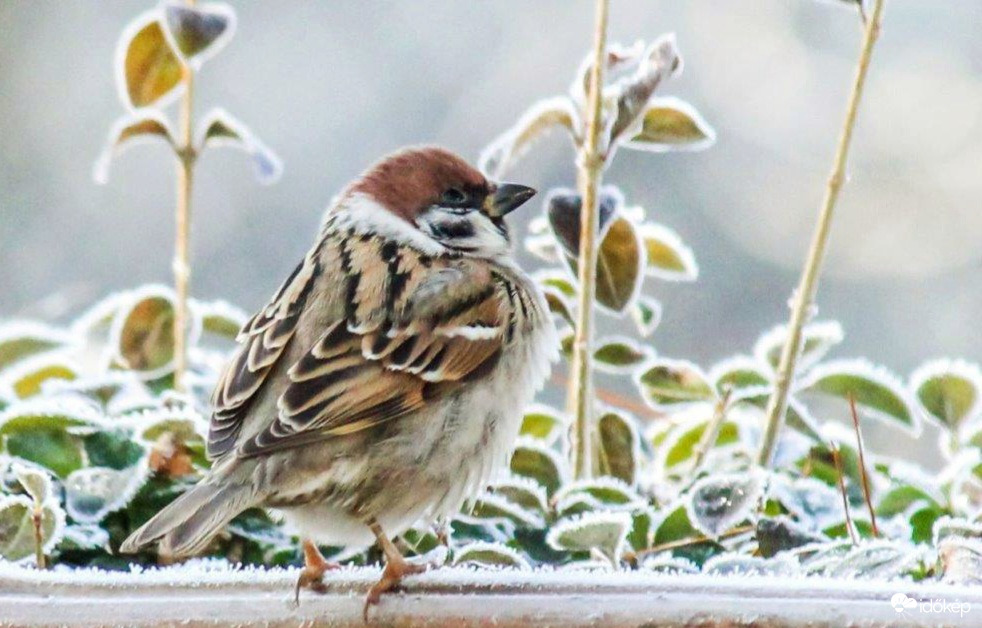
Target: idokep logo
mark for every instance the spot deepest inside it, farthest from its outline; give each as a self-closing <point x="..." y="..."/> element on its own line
<point x="902" y="603"/>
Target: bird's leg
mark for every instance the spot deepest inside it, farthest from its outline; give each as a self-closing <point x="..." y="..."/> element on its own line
<point x="314" y="568"/>
<point x="396" y="567"/>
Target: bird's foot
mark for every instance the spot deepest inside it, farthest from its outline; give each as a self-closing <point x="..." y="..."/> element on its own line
<point x="392" y="575"/>
<point x="312" y="575"/>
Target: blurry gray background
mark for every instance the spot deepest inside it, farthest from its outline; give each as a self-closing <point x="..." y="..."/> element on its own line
<point x="331" y="86"/>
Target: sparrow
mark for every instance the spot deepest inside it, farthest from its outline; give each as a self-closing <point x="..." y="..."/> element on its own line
<point x="384" y="382"/>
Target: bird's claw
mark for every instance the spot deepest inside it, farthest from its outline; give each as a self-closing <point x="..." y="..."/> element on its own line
<point x="391" y="580"/>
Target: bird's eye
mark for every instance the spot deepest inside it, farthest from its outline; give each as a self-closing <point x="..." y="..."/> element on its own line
<point x="453" y="196"/>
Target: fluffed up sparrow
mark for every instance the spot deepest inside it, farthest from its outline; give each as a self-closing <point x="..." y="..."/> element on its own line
<point x="384" y="382"/>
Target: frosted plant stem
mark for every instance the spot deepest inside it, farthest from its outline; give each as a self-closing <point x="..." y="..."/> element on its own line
<point x="805" y="294"/>
<point x="590" y="163"/>
<point x="182" y="220"/>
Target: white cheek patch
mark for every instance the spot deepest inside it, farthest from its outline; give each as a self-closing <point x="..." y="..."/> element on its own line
<point x="471" y="232"/>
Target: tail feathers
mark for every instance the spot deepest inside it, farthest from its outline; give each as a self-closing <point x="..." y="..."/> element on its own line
<point x="186" y="525"/>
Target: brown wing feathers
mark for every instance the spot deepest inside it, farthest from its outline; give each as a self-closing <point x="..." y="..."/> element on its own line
<point x="414" y="329"/>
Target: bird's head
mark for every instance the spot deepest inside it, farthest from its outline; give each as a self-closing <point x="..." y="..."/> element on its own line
<point x="442" y="198"/>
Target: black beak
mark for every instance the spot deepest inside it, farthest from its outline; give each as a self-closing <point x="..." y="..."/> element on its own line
<point x="506" y="198"/>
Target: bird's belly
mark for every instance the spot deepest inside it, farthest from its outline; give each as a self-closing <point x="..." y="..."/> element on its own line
<point x="425" y="465"/>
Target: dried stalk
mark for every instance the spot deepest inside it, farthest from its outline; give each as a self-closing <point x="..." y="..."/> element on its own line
<point x="590" y="164"/>
<point x="867" y="494"/>
<point x="711" y="433"/>
<point x="837" y="459"/>
<point x="695" y="540"/>
<point x="805" y="294"/>
<point x="182" y="220"/>
<point x="36" y="520"/>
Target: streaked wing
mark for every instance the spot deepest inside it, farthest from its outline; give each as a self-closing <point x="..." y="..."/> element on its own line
<point x="262" y="341"/>
<point x="414" y="330"/>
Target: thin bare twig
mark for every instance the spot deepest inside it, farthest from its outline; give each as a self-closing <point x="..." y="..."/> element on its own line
<point x="837" y="459"/>
<point x="36" y="517"/>
<point x="804" y="296"/>
<point x="590" y="172"/>
<point x="862" y="465"/>
<point x="695" y="540"/>
<point x="711" y="433"/>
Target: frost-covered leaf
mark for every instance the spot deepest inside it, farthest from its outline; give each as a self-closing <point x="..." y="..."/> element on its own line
<point x="946" y="527"/>
<point x="634" y="93"/>
<point x="879" y="559"/>
<point x="198" y="32"/>
<point x="496" y="505"/>
<point x="901" y="498"/>
<point x="610" y="492"/>
<point x="619" y="446"/>
<point x="84" y="536"/>
<point x="961" y="561"/>
<point x="777" y="534"/>
<point x="815" y="504"/>
<point x="543" y="422"/>
<point x="619" y="59"/>
<point x="797" y="416"/>
<point x="680" y="443"/>
<point x="544" y="116"/>
<point x="19" y="340"/>
<point x="666" y="563"/>
<point x="36" y="482"/>
<point x="646" y="314"/>
<point x="94" y="492"/>
<point x="741" y="374"/>
<point x="28" y="377"/>
<point x="666" y="383"/>
<point x="489" y="555"/>
<point x="667" y="256"/>
<point x="734" y="564"/>
<point x="604" y="532"/>
<point x="619" y="265"/>
<point x="523" y="491"/>
<point x="875" y="389"/>
<point x="218" y="128"/>
<point x="949" y="391"/>
<point x="563" y="208"/>
<point x="558" y="303"/>
<point x="718" y="502"/>
<point x="817" y="339"/>
<point x="670" y="123"/>
<point x="18" y="538"/>
<point x="39" y="432"/>
<point x="534" y="460"/>
<point x="220" y="318"/>
<point x="674" y="525"/>
<point x="148" y="70"/>
<point x="618" y="354"/>
<point x="131" y="130"/>
<point x="490" y="530"/>
<point x="144" y="332"/>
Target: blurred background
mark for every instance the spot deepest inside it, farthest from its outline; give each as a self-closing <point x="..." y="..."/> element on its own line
<point x="332" y="86"/>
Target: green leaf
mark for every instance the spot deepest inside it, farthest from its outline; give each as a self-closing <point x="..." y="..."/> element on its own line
<point x="523" y="491"/>
<point x="618" y="354"/>
<point x="740" y="373"/>
<point x="604" y="532"/>
<point x="901" y="498"/>
<point x="646" y="314"/>
<point x="680" y="444"/>
<point x="497" y="506"/>
<point x="27" y="377"/>
<point x="20" y="340"/>
<point x="619" y="450"/>
<point x="666" y="384"/>
<point x="489" y="555"/>
<point x="114" y="449"/>
<point x="198" y="32"/>
<point x="38" y="432"/>
<point x="220" y="318"/>
<point x="716" y="503"/>
<point x="36" y="483"/>
<point x="533" y="460"/>
<point x="128" y="131"/>
<point x="540" y="118"/>
<point x="564" y="209"/>
<point x="778" y="534"/>
<point x="675" y="526"/>
<point x="672" y="124"/>
<point x="144" y="332"/>
<point x="817" y="339"/>
<point x="949" y="391"/>
<point x="219" y="129"/>
<point x="148" y="71"/>
<point x="667" y="257"/>
<point x="878" y="391"/>
<point x="17" y="533"/>
<point x="558" y="303"/>
<point x="543" y="422"/>
<point x="609" y="492"/>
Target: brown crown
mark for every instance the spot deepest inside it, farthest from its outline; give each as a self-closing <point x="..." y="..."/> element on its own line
<point x="410" y="180"/>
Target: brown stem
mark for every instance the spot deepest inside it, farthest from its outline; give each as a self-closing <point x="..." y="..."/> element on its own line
<point x="36" y="517"/>
<point x="867" y="494"/>
<point x="711" y="433"/>
<point x="804" y="296"/>
<point x="837" y="459"/>
<point x="590" y="171"/>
